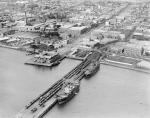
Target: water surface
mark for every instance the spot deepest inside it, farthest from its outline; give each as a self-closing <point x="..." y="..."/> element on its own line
<point x="111" y="93"/>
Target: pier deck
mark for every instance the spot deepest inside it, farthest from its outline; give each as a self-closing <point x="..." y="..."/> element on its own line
<point x="45" y="101"/>
<point x="125" y="66"/>
<point x="41" y="111"/>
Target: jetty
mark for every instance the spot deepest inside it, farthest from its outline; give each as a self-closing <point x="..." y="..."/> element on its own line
<point x="39" y="106"/>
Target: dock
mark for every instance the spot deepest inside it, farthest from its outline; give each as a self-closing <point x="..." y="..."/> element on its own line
<point x="38" y="107"/>
<point x="32" y="62"/>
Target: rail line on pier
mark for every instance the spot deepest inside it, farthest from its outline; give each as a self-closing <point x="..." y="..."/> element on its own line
<point x="42" y="102"/>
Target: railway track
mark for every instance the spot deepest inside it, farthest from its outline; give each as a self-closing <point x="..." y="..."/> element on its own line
<point x="43" y="101"/>
<point x="57" y="85"/>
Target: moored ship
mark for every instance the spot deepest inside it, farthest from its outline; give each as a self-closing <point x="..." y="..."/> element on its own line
<point x="69" y="89"/>
<point x="92" y="69"/>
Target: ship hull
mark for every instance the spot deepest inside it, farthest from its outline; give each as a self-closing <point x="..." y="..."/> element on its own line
<point x="68" y="97"/>
<point x="65" y="100"/>
<point x="92" y="72"/>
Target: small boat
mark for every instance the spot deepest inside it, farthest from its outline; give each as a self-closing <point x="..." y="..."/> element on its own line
<point x="69" y="89"/>
<point x="92" y="69"/>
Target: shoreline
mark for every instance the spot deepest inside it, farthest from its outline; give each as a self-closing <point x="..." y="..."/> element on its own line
<point x="105" y="62"/>
<point x="10" y="47"/>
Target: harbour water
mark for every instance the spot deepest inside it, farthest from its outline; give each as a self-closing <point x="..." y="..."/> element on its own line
<point x="111" y="93"/>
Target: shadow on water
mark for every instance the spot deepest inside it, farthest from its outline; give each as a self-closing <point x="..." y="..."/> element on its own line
<point x="43" y="68"/>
